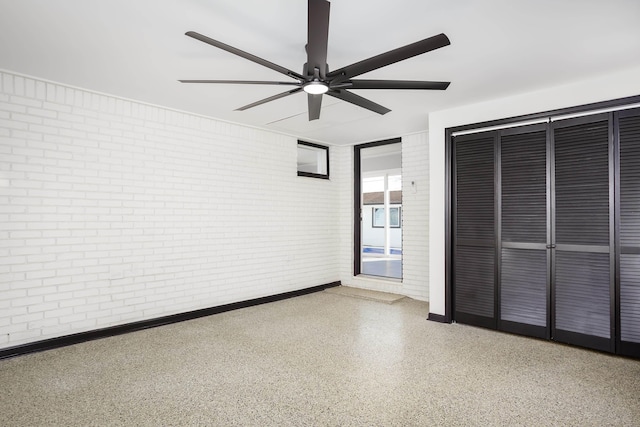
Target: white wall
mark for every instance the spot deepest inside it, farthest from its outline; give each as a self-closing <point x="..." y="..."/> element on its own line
<point x="415" y="225"/>
<point x="621" y="84"/>
<point x="415" y="216"/>
<point x="113" y="211"/>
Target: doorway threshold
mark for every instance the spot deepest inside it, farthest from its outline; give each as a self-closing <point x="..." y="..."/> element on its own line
<point x="367" y="294"/>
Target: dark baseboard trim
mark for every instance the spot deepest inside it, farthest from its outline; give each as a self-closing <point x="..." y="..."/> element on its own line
<point x="67" y="340"/>
<point x="438" y="318"/>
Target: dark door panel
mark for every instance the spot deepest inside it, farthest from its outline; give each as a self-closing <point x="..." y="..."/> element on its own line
<point x="582" y="277"/>
<point x="523" y="280"/>
<point x="628" y="132"/>
<point x="474" y="235"/>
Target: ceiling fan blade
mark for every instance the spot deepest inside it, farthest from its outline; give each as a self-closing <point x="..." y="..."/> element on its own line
<point x="271" y="98"/>
<point x="358" y="100"/>
<point x="242" y="82"/>
<point x="244" y="55"/>
<point x="317" y="36"/>
<point x="393" y="84"/>
<point x="390" y="57"/>
<point x="315" y="103"/>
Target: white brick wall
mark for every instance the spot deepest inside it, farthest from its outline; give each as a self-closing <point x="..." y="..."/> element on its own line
<point x="113" y="211"/>
<point x="415" y="233"/>
<point x="415" y="216"/>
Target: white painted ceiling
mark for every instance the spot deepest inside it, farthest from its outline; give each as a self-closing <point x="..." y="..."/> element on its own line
<point x="137" y="49"/>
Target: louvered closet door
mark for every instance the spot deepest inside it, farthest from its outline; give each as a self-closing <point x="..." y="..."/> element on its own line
<point x="523" y="230"/>
<point x="628" y="130"/>
<point x="582" y="261"/>
<point x="474" y="230"/>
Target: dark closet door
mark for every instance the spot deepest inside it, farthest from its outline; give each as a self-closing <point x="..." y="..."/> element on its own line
<point x="524" y="279"/>
<point x="582" y="263"/>
<point x="474" y="229"/>
<point x="628" y="135"/>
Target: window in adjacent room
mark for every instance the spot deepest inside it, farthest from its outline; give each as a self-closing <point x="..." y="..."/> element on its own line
<point x="379" y="217"/>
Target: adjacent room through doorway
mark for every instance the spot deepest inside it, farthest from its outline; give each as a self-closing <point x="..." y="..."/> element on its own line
<point x="380" y="207"/>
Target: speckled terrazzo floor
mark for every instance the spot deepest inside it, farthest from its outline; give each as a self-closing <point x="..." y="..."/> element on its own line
<point x="320" y="360"/>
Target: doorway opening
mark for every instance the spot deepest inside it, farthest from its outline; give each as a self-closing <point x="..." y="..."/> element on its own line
<point x="378" y="208"/>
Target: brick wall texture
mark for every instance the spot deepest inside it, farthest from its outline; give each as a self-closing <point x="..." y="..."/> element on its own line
<point x="114" y="211"/>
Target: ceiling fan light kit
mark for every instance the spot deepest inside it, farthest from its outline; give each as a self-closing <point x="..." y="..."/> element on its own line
<point x="315" y="87"/>
<point x="316" y="79"/>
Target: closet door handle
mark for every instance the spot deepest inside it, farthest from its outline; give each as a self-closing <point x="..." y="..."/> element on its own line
<point x="551" y="246"/>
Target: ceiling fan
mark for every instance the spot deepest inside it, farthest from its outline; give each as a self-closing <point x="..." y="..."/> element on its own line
<point x="316" y="79"/>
